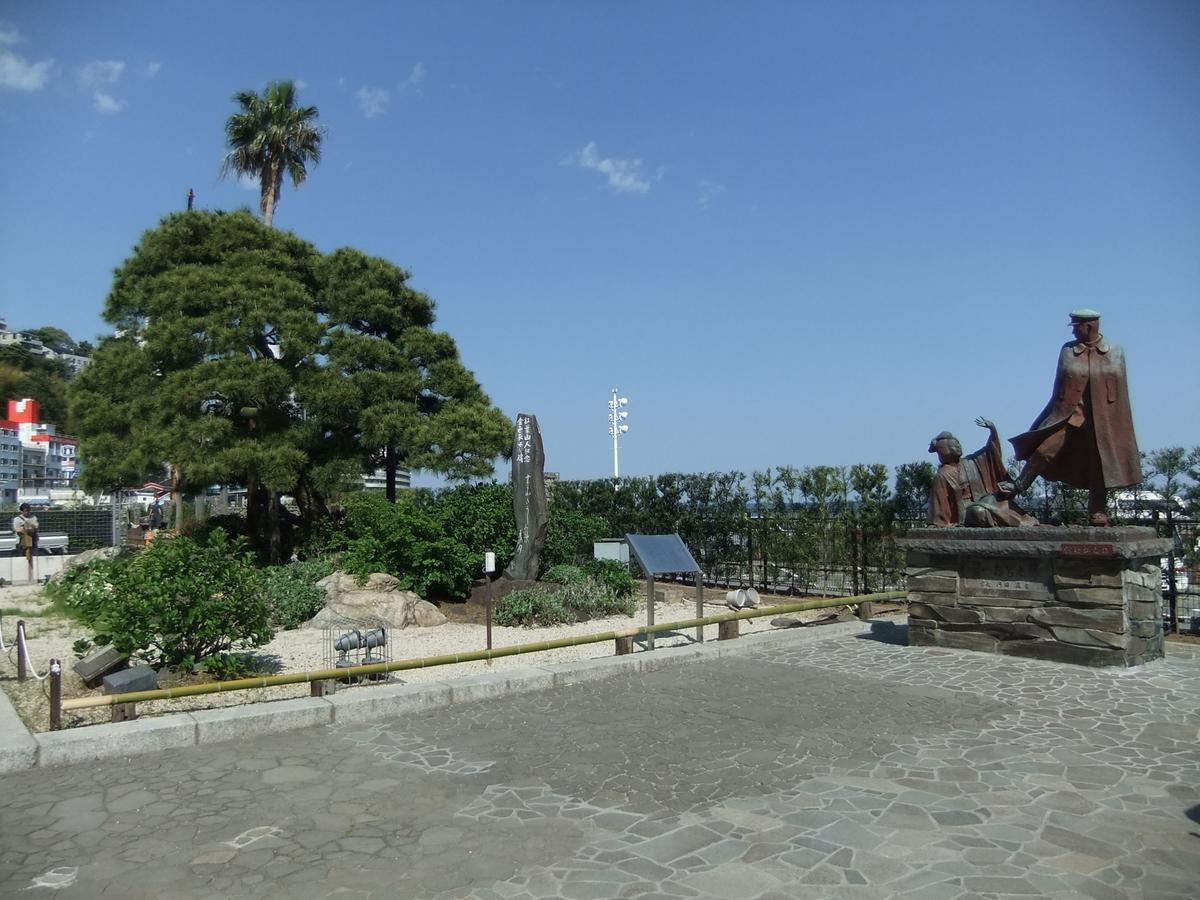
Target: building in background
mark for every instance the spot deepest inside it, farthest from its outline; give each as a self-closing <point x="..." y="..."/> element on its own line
<point x="46" y="460"/>
<point x="35" y="347"/>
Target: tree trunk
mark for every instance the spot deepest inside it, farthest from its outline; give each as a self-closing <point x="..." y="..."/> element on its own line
<point x="271" y="181"/>
<point x="274" y="529"/>
<point x="389" y="466"/>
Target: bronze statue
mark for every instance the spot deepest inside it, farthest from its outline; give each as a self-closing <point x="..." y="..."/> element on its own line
<point x="964" y="490"/>
<point x="1084" y="437"/>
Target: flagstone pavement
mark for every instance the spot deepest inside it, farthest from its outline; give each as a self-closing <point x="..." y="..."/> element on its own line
<point x="849" y="768"/>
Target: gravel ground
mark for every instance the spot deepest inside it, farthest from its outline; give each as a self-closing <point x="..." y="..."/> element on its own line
<point x="50" y="637"/>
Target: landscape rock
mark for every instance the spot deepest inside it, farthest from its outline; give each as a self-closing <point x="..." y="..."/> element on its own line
<point x="378" y="599"/>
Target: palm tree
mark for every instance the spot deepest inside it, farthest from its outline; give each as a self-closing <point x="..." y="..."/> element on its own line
<point x="269" y="136"/>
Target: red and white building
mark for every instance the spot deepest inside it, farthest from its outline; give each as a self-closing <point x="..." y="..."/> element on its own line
<point x="44" y="459"/>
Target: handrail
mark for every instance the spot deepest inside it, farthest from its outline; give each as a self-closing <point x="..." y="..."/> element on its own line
<point x="241" y="684"/>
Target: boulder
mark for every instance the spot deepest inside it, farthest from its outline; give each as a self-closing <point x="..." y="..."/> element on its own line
<point x="378" y="599"/>
<point x="87" y="556"/>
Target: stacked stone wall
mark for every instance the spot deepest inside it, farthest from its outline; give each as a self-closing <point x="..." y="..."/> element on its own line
<point x="1041" y="593"/>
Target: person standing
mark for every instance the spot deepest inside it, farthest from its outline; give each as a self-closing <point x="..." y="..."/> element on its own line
<point x="1084" y="437"/>
<point x="25" y="527"/>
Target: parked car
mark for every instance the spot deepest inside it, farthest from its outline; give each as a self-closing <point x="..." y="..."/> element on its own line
<point x="48" y="542"/>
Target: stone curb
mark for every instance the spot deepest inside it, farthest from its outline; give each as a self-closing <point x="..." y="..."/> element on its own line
<point x="21" y="750"/>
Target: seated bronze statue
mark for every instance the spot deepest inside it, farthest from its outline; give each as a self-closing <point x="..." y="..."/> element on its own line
<point x="965" y="489"/>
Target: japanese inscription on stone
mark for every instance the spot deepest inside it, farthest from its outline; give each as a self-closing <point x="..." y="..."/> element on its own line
<point x="1028" y="578"/>
<point x="529" y="499"/>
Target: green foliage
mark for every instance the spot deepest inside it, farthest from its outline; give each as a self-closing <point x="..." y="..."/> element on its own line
<point x="564" y="573"/>
<point x="228" y="666"/>
<point x="176" y="602"/>
<point x="81" y="647"/>
<point x="292" y="592"/>
<point x="613" y="575"/>
<point x="271" y="136"/>
<point x="83" y="592"/>
<point x="574" y="601"/>
<point x="570" y="534"/>
<point x="534" y="606"/>
<point x="433" y="543"/>
<point x="287" y="371"/>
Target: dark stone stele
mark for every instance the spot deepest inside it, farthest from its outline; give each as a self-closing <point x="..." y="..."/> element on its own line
<point x="1088" y="596"/>
<point x="137" y="678"/>
<point x="529" y="500"/>
<point x="100" y="662"/>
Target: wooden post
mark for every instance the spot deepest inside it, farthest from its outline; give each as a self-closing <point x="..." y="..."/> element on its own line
<point x="700" y="605"/>
<point x="866" y="610"/>
<point x="624" y="644"/>
<point x="55" y="695"/>
<point x="487" y="576"/>
<point x="727" y="630"/>
<point x="124" y="712"/>
<point x="321" y="687"/>
<point x="21" y="673"/>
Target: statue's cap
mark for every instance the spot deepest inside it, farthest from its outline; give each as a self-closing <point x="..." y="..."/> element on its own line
<point x="1082" y="315"/>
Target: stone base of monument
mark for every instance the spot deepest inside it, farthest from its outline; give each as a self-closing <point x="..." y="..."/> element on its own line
<point x="1078" y="595"/>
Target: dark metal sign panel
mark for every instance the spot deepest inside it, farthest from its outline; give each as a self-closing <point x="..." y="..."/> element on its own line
<point x="661" y="554"/>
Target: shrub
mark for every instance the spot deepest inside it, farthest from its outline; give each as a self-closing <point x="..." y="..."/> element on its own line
<point x="570" y="535"/>
<point x="292" y="591"/>
<point x="565" y="574"/>
<point x="227" y="666"/>
<point x="535" y="606"/>
<point x="572" y="602"/>
<point x="613" y="574"/>
<point x="83" y="592"/>
<point x="180" y="601"/>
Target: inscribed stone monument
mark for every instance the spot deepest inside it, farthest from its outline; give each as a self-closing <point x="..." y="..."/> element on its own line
<point x="529" y="499"/>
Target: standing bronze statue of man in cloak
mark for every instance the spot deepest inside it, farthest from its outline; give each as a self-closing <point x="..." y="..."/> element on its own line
<point x="1084" y="437"/>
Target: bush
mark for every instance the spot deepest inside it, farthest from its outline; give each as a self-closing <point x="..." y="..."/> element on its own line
<point x="535" y="606"/>
<point x="292" y="591"/>
<point x="572" y="602"/>
<point x="433" y="543"/>
<point x="176" y="602"/>
<point x="613" y="574"/>
<point x="569" y="536"/>
<point x="565" y="574"/>
<point x="82" y="592"/>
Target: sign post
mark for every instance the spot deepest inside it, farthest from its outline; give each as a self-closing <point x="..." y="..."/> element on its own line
<point x="489" y="567"/>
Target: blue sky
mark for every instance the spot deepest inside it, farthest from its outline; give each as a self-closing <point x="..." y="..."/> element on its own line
<point x="790" y="233"/>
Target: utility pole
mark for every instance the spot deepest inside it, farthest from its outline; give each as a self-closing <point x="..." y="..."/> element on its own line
<point x="616" y="426"/>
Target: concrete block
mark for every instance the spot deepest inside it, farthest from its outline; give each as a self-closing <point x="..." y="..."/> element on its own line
<point x="231" y="723"/>
<point x="18" y="749"/>
<point x="388" y="701"/>
<point x="93" y="667"/>
<point x="502" y="683"/>
<point x="116" y="739"/>
<point x="138" y="678"/>
<point x="583" y="670"/>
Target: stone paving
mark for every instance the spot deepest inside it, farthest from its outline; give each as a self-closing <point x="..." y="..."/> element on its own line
<point x="854" y="768"/>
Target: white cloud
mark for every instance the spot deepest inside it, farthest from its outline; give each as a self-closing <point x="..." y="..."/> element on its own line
<point x="300" y="84"/>
<point x="100" y="72"/>
<point x="152" y="69"/>
<point x="9" y="35"/>
<point x="709" y="191"/>
<point x="16" y="72"/>
<point x="415" y="77"/>
<point x="249" y="183"/>
<point x="341" y="82"/>
<point x="106" y="103"/>
<point x="623" y="175"/>
<point x="373" y="101"/>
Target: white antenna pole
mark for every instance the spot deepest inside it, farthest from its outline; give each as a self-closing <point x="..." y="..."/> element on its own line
<point x="616" y="428"/>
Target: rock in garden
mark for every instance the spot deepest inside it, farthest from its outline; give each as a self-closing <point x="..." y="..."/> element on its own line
<point x="376" y="600"/>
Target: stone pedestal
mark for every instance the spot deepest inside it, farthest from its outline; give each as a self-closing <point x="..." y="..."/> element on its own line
<point x="1078" y="595"/>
